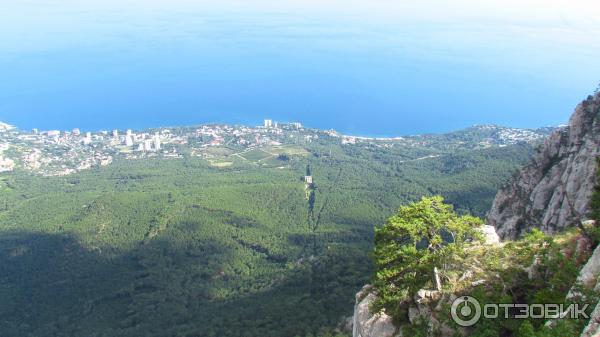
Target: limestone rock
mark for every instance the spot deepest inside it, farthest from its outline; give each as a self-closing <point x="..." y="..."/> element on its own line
<point x="593" y="327"/>
<point x="424" y="296"/>
<point x="555" y="189"/>
<point x="588" y="275"/>
<point x="367" y="324"/>
<point x="489" y="235"/>
<point x="424" y="308"/>
<point x="420" y="311"/>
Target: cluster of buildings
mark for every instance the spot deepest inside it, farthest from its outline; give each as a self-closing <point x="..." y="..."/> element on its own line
<point x="137" y="142"/>
<point x="6" y="164"/>
<point x="5" y="127"/>
<point x="143" y="142"/>
<point x="269" y="123"/>
<point x="513" y="136"/>
<point x="55" y="152"/>
<point x="52" y="152"/>
<point x="271" y="133"/>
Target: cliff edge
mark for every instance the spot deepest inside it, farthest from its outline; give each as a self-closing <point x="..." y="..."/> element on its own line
<point x="554" y="190"/>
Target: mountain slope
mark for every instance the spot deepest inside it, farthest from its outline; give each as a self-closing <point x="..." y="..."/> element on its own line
<point x="554" y="190"/>
<point x="179" y="247"/>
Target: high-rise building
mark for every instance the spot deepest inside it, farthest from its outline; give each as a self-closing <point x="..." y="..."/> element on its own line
<point x="148" y="145"/>
<point x="128" y="140"/>
<point x="156" y="142"/>
<point x="268" y="123"/>
<point x="128" y="132"/>
<point x="35" y="131"/>
<point x="76" y="132"/>
<point x="115" y="133"/>
<point x="88" y="138"/>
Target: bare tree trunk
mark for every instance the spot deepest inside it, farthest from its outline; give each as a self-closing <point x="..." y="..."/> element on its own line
<point x="436" y="279"/>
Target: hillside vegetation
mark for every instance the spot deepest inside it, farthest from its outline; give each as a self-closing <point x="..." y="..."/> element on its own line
<point x="427" y="248"/>
<point x="158" y="247"/>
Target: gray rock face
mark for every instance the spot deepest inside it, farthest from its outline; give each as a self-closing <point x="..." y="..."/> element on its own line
<point x="367" y="324"/>
<point x="424" y="308"/>
<point x="589" y="277"/>
<point x="556" y="187"/>
<point x="593" y="327"/>
<point x="490" y="235"/>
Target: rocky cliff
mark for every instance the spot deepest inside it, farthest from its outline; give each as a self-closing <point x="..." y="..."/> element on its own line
<point x="554" y="190"/>
<point x="427" y="305"/>
<point x="552" y="193"/>
<point x="368" y="324"/>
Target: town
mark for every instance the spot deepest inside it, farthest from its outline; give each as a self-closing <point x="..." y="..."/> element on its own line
<point x="59" y="153"/>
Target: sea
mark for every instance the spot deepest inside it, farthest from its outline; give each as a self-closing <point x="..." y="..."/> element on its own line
<point x="134" y="64"/>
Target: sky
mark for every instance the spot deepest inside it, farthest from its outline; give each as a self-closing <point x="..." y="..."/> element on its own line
<point x="373" y="68"/>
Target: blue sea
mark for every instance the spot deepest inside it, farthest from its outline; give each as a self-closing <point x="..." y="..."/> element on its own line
<point x="363" y="68"/>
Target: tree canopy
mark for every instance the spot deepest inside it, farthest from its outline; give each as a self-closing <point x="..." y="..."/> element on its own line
<point x="415" y="244"/>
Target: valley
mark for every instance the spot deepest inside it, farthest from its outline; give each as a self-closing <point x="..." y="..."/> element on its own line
<point x="226" y="243"/>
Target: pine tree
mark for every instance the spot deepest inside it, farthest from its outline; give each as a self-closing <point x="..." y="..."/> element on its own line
<point x="526" y="330"/>
<point x="414" y="244"/>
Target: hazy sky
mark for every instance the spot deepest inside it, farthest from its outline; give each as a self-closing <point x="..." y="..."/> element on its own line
<point x="365" y="67"/>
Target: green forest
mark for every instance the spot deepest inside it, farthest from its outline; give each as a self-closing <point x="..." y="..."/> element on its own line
<point x="157" y="247"/>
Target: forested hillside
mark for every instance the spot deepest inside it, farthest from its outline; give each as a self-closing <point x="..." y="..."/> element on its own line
<point x="178" y="247"/>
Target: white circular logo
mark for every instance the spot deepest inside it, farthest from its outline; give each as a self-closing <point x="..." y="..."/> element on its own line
<point x="466" y="311"/>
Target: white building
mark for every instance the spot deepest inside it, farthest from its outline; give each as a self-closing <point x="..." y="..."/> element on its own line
<point x="115" y="134"/>
<point x="148" y="145"/>
<point x="76" y="132"/>
<point x="6" y="165"/>
<point x="5" y="127"/>
<point x="268" y="123"/>
<point x="348" y="140"/>
<point x="128" y="140"/>
<point x="156" y="142"/>
<point x="88" y="138"/>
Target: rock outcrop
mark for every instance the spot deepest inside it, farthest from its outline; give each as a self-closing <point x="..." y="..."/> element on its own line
<point x="490" y="236"/>
<point x="424" y="306"/>
<point x="367" y="324"/>
<point x="554" y="190"/>
<point x="589" y="277"/>
<point x="589" y="274"/>
<point x="593" y="327"/>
